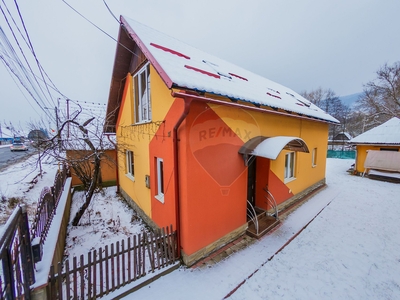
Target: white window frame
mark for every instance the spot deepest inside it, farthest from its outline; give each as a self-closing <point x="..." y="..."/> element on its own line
<point x="160" y="179"/>
<point x="130" y="164"/>
<point x="290" y="166"/>
<point x="141" y="96"/>
<point x="314" y="155"/>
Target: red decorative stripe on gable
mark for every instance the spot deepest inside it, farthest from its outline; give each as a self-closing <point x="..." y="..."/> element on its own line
<point x="269" y="94"/>
<point x="170" y="50"/>
<point x="202" y="71"/>
<point x="240" y="77"/>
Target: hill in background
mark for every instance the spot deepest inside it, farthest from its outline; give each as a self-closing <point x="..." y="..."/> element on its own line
<point x="350" y="100"/>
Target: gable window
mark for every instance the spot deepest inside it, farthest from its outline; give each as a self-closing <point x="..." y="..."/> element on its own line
<point x="142" y="107"/>
<point x="314" y="157"/>
<point x="130" y="164"/>
<point x="160" y="179"/>
<point x="289" y="166"/>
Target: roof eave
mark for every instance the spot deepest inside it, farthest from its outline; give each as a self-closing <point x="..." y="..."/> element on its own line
<point x="164" y="76"/>
<point x="120" y="69"/>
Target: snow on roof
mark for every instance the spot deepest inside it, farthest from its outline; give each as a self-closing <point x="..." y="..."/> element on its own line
<point x="386" y="133"/>
<point x="184" y="66"/>
<point x="341" y="135"/>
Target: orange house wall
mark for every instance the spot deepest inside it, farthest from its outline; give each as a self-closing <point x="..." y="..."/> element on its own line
<point x="211" y="198"/>
<point x="163" y="214"/>
<point x="267" y="178"/>
<point x="213" y="181"/>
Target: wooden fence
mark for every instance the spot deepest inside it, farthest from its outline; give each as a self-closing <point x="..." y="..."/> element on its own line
<point x="47" y="205"/>
<point x="16" y="255"/>
<point x="105" y="270"/>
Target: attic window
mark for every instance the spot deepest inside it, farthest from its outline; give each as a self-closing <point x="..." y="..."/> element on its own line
<point x="170" y="50"/>
<point x="202" y="71"/>
<point x="237" y="76"/>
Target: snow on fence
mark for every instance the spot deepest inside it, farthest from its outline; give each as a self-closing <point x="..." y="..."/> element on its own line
<point x="47" y="204"/>
<point x="16" y="255"/>
<point x="16" y="267"/>
<point x="109" y="268"/>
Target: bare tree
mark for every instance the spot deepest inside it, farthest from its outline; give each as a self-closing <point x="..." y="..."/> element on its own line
<point x="380" y="100"/>
<point x="82" y="137"/>
<point x="327" y="100"/>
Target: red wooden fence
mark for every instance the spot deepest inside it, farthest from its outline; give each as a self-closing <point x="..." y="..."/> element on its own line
<point x="105" y="270"/>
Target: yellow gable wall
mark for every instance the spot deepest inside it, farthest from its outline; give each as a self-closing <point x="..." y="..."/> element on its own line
<point x="136" y="138"/>
<point x="315" y="134"/>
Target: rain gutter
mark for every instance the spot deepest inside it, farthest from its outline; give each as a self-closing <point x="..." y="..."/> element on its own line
<point x="252" y="108"/>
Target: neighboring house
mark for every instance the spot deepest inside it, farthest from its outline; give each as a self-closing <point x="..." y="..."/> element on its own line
<point x="202" y="141"/>
<point x="340" y="141"/>
<point x="379" y="148"/>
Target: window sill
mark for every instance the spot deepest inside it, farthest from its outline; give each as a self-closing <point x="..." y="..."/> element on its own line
<point x="287" y="180"/>
<point x="160" y="198"/>
<point x="142" y="122"/>
<point x="130" y="177"/>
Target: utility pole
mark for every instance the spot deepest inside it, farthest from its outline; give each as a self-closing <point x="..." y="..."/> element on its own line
<point x="68" y="118"/>
<point x="57" y="128"/>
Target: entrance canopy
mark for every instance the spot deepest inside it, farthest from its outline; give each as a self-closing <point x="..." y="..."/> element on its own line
<point x="270" y="147"/>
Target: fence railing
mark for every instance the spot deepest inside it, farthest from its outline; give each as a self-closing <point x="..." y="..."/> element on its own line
<point x="17" y="266"/>
<point x="47" y="204"/>
<point x="107" y="269"/>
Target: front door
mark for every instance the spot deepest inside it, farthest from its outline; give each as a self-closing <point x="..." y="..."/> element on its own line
<point x="251" y="182"/>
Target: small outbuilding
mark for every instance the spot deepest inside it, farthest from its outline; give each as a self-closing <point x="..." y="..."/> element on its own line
<point x="378" y="150"/>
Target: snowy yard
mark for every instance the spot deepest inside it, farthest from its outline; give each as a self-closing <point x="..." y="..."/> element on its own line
<point x="107" y="220"/>
<point x="349" y="251"/>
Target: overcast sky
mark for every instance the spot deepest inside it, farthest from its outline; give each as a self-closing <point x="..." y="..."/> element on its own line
<point x="302" y="44"/>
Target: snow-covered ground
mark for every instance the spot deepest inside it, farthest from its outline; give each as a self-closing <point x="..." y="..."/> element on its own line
<point x="349" y="251"/>
<point x="107" y="220"/>
<point x="22" y="182"/>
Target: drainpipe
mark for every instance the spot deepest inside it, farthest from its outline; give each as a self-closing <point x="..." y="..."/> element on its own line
<point x="188" y="101"/>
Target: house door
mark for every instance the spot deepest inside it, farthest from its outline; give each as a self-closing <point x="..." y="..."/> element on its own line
<point x="251" y="182"/>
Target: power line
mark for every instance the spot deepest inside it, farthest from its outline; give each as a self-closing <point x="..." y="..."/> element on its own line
<point x="20" y="89"/>
<point x="11" y="48"/>
<point x="31" y="46"/>
<point x="18" y="69"/>
<point x="105" y="3"/>
<point x="126" y="48"/>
